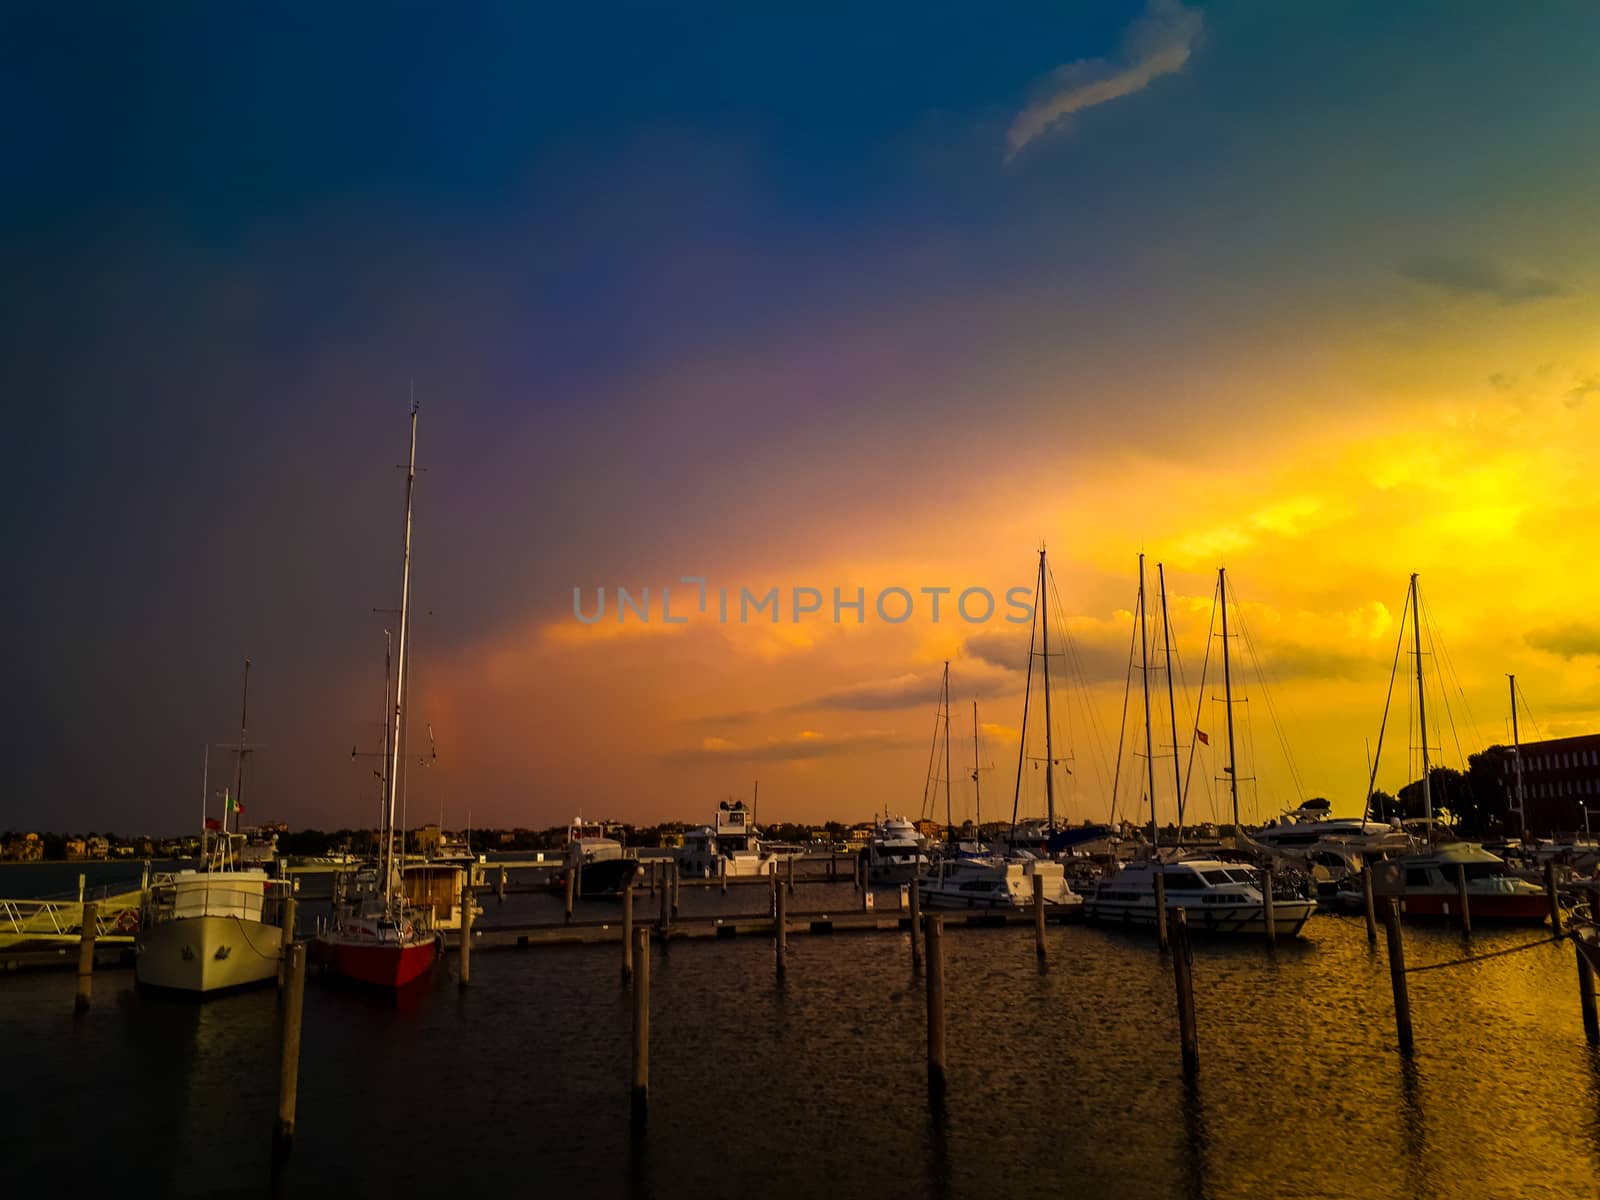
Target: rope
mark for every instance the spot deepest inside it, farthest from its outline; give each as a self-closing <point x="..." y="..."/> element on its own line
<point x="1456" y="962"/>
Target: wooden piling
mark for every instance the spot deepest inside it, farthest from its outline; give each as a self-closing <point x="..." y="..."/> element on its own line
<point x="916" y="923"/>
<point x="287" y="924"/>
<point x="572" y="887"/>
<point x="641" y="1021"/>
<point x="935" y="995"/>
<point x="1161" y="910"/>
<point x="676" y="877"/>
<point x="1397" y="975"/>
<point x="1552" y="895"/>
<point x="1183" y="979"/>
<point x="1269" y="915"/>
<point x="780" y="929"/>
<point x="791" y="874"/>
<point x="466" y="933"/>
<point x="500" y="886"/>
<point x="1038" y="917"/>
<point x="1591" y="1024"/>
<point x="89" y="930"/>
<point x="1372" y="916"/>
<point x="627" y="933"/>
<point x="294" y="992"/>
<point x="666" y="906"/>
<point x="722" y="874"/>
<point x="1461" y="898"/>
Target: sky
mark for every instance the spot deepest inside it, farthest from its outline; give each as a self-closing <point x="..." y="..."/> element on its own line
<point x="852" y="296"/>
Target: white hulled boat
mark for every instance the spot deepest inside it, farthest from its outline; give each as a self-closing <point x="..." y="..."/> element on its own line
<point x="994" y="881"/>
<point x="895" y="852"/>
<point x="730" y="846"/>
<point x="1217" y="897"/>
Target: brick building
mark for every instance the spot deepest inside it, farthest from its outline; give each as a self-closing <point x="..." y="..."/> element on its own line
<point x="1560" y="778"/>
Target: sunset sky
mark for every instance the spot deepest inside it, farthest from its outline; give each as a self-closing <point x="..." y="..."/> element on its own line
<point x="842" y="296"/>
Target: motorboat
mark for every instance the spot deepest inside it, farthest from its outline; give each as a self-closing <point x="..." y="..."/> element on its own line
<point x="1217" y="897"/>
<point x="895" y="852"/>
<point x="1428" y="883"/>
<point x="730" y="846"/>
<point x="602" y="867"/>
<point x="208" y="932"/>
<point x="994" y="881"/>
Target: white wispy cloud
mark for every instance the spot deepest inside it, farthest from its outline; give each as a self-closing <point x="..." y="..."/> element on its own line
<point x="1157" y="44"/>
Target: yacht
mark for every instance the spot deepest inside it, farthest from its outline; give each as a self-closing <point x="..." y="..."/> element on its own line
<point x="895" y="852"/>
<point x="603" y="869"/>
<point x="1312" y="822"/>
<point x="996" y="881"/>
<point x="1426" y="884"/>
<point x="730" y="846"/>
<point x="1217" y="897"/>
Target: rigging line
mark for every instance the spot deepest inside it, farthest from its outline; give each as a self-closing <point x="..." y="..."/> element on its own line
<point x="1091" y="722"/>
<point x="1205" y="663"/>
<point x="1122" y="730"/>
<point x="1266" y="695"/>
<point x="1441" y="663"/>
<point x="928" y="781"/>
<point x="1527" y="708"/>
<point x="1472" y="958"/>
<point x="1443" y="650"/>
<point x="1372" y="775"/>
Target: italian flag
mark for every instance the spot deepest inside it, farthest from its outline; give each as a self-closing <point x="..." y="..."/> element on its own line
<point x="230" y="804"/>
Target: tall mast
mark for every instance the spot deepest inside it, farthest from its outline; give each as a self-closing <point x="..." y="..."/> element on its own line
<point x="977" y="792"/>
<point x="1172" y="707"/>
<point x="1422" y="711"/>
<point x="1516" y="758"/>
<point x="1049" y="750"/>
<point x="205" y="783"/>
<point x="1227" y="697"/>
<point x="1027" y="696"/>
<point x="1144" y="670"/>
<point x="383" y="713"/>
<point x="238" y="778"/>
<point x="393" y="726"/>
<point x="949" y="815"/>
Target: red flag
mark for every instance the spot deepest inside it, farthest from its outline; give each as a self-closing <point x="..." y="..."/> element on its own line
<point x="213" y="823"/>
<point x="1201" y="734"/>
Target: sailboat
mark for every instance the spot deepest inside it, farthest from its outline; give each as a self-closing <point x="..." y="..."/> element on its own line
<point x="1218" y="897"/>
<point x="1002" y="876"/>
<point x="215" y="929"/>
<point x="376" y="939"/>
<point x="1428" y="882"/>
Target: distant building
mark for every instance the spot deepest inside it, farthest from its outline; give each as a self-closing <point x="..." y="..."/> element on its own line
<point x="97" y="847"/>
<point x="1560" y="780"/>
<point x="25" y="847"/>
<point x="73" y="848"/>
<point x="425" y="840"/>
<point x="931" y="830"/>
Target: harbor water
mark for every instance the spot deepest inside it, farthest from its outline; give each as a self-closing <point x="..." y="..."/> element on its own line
<point x="1065" y="1079"/>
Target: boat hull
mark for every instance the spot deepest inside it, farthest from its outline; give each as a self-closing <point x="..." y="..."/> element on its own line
<point x="895" y="872"/>
<point x="381" y="965"/>
<point x="1288" y="916"/>
<point x="606" y="876"/>
<point x="208" y="955"/>
<point x="1530" y="908"/>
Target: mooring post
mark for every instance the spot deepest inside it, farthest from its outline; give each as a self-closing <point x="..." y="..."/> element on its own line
<point x="1397" y="975"/>
<point x="935" y="993"/>
<point x="294" y="993"/>
<point x="1161" y="909"/>
<point x="1372" y="916"/>
<point x="466" y="932"/>
<point x="500" y="886"/>
<point x="780" y="929"/>
<point x="627" y="932"/>
<point x="572" y="887"/>
<point x="1038" y="917"/>
<point x="792" y="857"/>
<point x="1269" y="915"/>
<point x="677" y="886"/>
<point x="287" y="940"/>
<point x="1461" y="897"/>
<point x="88" y="931"/>
<point x="1183" y="978"/>
<point x="833" y="866"/>
<point x="1552" y="895"/>
<point x="81" y="880"/>
<point x="1591" y="1024"/>
<point x="641" y="1021"/>
<point x="916" y="922"/>
<point x="722" y="874"/>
